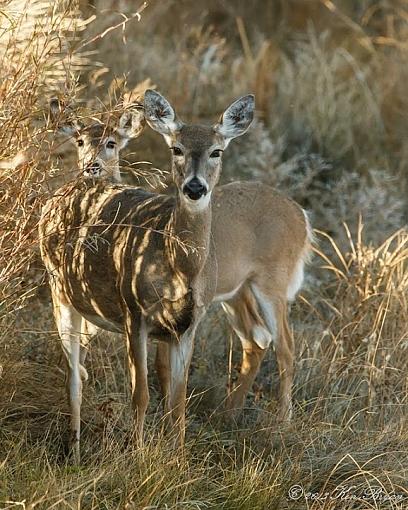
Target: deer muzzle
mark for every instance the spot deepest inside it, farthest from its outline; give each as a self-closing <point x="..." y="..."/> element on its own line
<point x="194" y="189"/>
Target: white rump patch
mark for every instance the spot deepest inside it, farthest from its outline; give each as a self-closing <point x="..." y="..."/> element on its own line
<point x="310" y="238"/>
<point x="297" y="280"/>
<point x="298" y="275"/>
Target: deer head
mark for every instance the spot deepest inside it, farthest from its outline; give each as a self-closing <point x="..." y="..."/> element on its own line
<point x="197" y="150"/>
<point x="98" y="144"/>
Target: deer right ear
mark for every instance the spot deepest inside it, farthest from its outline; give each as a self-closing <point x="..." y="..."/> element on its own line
<point x="131" y="124"/>
<point x="159" y="114"/>
<point x="64" y="119"/>
<point x="237" y="118"/>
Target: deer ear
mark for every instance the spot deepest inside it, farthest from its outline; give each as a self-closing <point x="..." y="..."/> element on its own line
<point x="159" y="114"/>
<point x="64" y="118"/>
<point x="237" y="118"/>
<point x="131" y="124"/>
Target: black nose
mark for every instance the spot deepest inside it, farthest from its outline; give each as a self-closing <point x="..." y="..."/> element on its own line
<point x="194" y="189"/>
<point x="93" y="168"/>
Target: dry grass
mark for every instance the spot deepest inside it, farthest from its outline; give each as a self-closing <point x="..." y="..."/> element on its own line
<point x="331" y="83"/>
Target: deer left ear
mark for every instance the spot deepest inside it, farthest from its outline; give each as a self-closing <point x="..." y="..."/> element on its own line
<point x="131" y="125"/>
<point x="237" y="118"/>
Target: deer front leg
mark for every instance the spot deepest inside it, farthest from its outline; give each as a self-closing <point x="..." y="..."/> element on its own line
<point x="69" y="327"/>
<point x="162" y="364"/>
<point x="88" y="332"/>
<point x="180" y="352"/>
<point x="136" y="342"/>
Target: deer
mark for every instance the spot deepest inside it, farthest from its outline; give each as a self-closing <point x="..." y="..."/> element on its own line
<point x="261" y="242"/>
<point x="99" y="143"/>
<point x="98" y="146"/>
<point x="139" y="263"/>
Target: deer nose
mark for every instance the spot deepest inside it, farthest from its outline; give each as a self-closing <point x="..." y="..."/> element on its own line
<point x="194" y="189"/>
<point x="93" y="168"/>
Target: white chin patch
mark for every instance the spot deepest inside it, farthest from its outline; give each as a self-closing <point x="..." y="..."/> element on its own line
<point x="197" y="205"/>
<point x="93" y="175"/>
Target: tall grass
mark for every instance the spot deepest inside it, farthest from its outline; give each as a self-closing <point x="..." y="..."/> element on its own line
<point x="36" y="56"/>
<point x="350" y="408"/>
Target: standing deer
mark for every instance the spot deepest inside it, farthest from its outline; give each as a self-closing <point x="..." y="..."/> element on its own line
<point x="98" y="147"/>
<point x="261" y="241"/>
<point x="140" y="263"/>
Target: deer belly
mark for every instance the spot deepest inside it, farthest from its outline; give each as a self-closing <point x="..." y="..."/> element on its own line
<point x="104" y="323"/>
<point x="96" y="300"/>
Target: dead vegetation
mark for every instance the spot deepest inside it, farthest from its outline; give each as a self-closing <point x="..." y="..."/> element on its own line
<point x="330" y="78"/>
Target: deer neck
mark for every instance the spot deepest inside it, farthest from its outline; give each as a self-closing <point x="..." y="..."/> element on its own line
<point x="116" y="177"/>
<point x="188" y="241"/>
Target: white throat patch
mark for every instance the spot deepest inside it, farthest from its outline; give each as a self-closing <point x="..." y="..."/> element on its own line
<point x="196" y="205"/>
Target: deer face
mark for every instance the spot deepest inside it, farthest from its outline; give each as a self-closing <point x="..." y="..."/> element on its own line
<point x="98" y="145"/>
<point x="197" y="150"/>
<point x="98" y="150"/>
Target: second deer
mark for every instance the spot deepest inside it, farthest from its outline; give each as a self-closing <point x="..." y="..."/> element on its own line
<point x="98" y="144"/>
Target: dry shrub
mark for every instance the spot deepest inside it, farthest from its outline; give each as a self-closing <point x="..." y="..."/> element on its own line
<point x="358" y="357"/>
<point x="335" y="195"/>
<point x="327" y="95"/>
<point x="37" y="55"/>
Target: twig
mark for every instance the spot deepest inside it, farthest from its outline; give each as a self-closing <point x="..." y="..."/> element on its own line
<point x="136" y="15"/>
<point x="365" y="41"/>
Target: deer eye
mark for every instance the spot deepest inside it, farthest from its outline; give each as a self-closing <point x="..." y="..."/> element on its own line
<point x="80" y="142"/>
<point x="177" y="151"/>
<point x="111" y="144"/>
<point x="216" y="153"/>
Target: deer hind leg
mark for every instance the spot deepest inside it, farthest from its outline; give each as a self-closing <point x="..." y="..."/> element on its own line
<point x="275" y="313"/>
<point x="245" y="318"/>
<point x="69" y="327"/>
<point x="136" y="342"/>
<point x="285" y="354"/>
